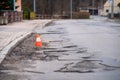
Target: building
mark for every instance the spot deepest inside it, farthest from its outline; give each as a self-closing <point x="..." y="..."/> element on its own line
<point x="18" y="5"/>
<point x="108" y="7"/>
<point x="92" y="6"/>
<point x="10" y="11"/>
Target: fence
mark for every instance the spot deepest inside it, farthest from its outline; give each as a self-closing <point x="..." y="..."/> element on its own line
<point x="10" y="16"/>
<point x="38" y="16"/>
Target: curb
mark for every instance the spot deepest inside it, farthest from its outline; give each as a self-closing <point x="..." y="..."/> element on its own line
<point x="12" y="45"/>
<point x="47" y="24"/>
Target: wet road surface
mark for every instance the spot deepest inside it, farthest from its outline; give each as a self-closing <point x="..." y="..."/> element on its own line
<point x="72" y="50"/>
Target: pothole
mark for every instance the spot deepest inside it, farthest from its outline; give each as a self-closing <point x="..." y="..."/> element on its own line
<point x="87" y="66"/>
<point x="50" y="33"/>
<point x="50" y="58"/>
<point x="57" y="41"/>
<point x="56" y="51"/>
<point x="82" y="50"/>
<point x="70" y="46"/>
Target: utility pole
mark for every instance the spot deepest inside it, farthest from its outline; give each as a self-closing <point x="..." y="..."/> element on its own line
<point x="112" y="9"/>
<point x="14" y="5"/>
<point x="71" y="8"/>
<point x="93" y="7"/>
<point x="34" y="6"/>
<point x="101" y="7"/>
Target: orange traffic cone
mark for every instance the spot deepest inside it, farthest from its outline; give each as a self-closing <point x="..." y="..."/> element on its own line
<point x="38" y="41"/>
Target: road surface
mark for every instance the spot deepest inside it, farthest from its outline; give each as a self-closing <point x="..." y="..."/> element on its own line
<point x="72" y="50"/>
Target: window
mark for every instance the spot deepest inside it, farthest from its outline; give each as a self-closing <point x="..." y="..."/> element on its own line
<point x="107" y="11"/>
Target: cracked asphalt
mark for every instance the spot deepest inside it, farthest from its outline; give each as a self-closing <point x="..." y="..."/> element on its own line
<point x="64" y="58"/>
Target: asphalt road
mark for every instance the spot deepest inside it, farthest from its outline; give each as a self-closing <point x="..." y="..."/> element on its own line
<point x="72" y="50"/>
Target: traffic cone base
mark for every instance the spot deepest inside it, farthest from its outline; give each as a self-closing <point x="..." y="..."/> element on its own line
<point x="38" y="44"/>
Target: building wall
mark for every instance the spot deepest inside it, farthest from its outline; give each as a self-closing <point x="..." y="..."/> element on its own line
<point x="107" y="7"/>
<point x="88" y="5"/>
<point x="18" y="3"/>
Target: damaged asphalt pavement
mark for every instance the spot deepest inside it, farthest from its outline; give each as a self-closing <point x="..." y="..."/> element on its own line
<point x="72" y="50"/>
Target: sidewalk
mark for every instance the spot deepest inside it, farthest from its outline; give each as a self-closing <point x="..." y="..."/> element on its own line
<point x="12" y="33"/>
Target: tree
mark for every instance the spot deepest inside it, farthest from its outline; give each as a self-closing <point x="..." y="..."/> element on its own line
<point x="26" y="9"/>
<point x="59" y="7"/>
<point x="6" y="5"/>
